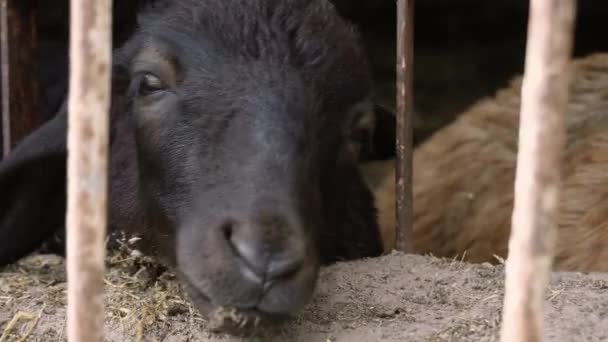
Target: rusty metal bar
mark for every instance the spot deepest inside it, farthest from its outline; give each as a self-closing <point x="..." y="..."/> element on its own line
<point x="5" y="135"/>
<point x="537" y="180"/>
<point x="88" y="139"/>
<point x="18" y="42"/>
<point x="405" y="98"/>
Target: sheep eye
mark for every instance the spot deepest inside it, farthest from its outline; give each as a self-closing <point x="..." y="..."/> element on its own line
<point x="149" y="84"/>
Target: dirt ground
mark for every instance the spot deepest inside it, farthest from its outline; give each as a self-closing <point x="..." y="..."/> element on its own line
<point x="392" y="298"/>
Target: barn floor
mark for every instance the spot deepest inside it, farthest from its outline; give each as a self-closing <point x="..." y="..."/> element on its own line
<point x="392" y="298"/>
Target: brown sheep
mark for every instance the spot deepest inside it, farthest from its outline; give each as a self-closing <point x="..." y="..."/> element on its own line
<point x="463" y="178"/>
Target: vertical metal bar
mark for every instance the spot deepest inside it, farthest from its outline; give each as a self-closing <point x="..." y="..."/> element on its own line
<point x="5" y="134"/>
<point x="405" y="98"/>
<point x="88" y="138"/>
<point x="537" y="180"/>
<point x="18" y="43"/>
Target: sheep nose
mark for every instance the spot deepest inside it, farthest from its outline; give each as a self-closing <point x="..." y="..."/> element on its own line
<point x="267" y="246"/>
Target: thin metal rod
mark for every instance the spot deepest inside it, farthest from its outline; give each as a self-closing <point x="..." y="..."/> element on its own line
<point x="88" y="138"/>
<point x="405" y="99"/>
<point x="4" y="79"/>
<point x="537" y="180"/>
<point x="18" y="44"/>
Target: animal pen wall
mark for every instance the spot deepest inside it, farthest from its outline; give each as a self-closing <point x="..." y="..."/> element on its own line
<point x="475" y="50"/>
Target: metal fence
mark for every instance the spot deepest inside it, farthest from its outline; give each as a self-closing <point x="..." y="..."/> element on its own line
<point x="541" y="132"/>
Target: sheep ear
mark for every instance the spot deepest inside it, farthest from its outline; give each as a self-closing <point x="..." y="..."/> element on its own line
<point x="33" y="179"/>
<point x="378" y="142"/>
<point x="32" y="188"/>
<point x="384" y="134"/>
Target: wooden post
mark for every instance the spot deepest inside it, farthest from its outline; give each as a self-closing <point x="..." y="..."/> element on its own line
<point x="88" y="138"/>
<point x="405" y="98"/>
<point x="537" y="181"/>
<point x="18" y="43"/>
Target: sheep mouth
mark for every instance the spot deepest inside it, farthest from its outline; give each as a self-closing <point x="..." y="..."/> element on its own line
<point x="231" y="320"/>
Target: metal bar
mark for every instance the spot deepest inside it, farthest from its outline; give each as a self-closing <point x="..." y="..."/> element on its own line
<point x="18" y="43"/>
<point x="405" y="98"/>
<point x="88" y="139"/>
<point x="537" y="180"/>
<point x="5" y="134"/>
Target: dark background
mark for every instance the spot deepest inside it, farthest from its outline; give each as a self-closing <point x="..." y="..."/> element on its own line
<point x="464" y="49"/>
